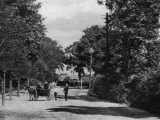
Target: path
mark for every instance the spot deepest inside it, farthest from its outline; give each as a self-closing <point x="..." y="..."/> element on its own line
<point x="77" y="108"/>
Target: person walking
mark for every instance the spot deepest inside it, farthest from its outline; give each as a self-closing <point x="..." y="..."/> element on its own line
<point x="55" y="92"/>
<point x="65" y="90"/>
<point x="46" y="85"/>
<point x="26" y="93"/>
<point x="52" y="89"/>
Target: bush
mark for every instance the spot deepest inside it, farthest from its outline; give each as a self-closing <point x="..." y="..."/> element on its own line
<point x="138" y="92"/>
<point x="146" y="93"/>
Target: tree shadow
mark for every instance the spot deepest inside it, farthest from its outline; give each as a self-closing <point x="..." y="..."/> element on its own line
<point x="2" y="116"/>
<point x="37" y="100"/>
<point x="83" y="97"/>
<point x="113" y="111"/>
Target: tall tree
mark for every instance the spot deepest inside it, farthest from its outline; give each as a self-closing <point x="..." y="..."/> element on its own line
<point x="137" y="21"/>
<point x="20" y="33"/>
<point x="51" y="57"/>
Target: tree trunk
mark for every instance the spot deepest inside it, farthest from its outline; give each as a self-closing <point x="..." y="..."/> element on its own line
<point x="18" y="88"/>
<point x="79" y="76"/>
<point x="10" y="89"/>
<point x="3" y="88"/>
<point x="90" y="72"/>
<point x="126" y="56"/>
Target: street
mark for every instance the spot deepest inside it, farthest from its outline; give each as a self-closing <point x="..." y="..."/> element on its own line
<point x="78" y="107"/>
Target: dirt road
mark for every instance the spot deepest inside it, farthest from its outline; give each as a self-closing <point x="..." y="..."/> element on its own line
<point x="78" y="107"/>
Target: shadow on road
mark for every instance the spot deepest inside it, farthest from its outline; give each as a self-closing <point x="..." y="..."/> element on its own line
<point x="2" y="116"/>
<point x="113" y="111"/>
<point x="36" y="100"/>
<point x="83" y="97"/>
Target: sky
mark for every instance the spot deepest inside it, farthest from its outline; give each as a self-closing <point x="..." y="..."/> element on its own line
<point x="66" y="19"/>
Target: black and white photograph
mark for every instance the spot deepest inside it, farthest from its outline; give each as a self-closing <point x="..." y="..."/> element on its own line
<point x="79" y="59"/>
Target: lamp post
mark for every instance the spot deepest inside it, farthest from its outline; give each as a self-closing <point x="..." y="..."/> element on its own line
<point x="91" y="51"/>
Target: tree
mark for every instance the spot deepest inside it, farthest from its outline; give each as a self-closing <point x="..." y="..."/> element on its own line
<point x="137" y="25"/>
<point x="137" y="22"/>
<point x="20" y="34"/>
<point x="51" y="57"/>
<point x="132" y="41"/>
<point x="74" y="60"/>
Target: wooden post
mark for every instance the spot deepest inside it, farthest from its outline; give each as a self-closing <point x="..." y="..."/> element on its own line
<point x="10" y="90"/>
<point x="18" y="89"/>
<point x="3" y="88"/>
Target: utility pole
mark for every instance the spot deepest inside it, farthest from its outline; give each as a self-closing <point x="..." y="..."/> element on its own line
<point x="107" y="45"/>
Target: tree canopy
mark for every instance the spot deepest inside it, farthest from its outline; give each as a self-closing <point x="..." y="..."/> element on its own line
<point x="133" y="48"/>
<point x="24" y="46"/>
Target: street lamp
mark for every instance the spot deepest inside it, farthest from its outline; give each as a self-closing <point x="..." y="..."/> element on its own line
<point x="91" y="51"/>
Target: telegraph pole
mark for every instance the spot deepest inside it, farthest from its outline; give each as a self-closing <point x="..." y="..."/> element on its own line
<point x="107" y="44"/>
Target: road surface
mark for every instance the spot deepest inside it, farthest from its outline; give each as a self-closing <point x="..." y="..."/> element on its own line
<point x="78" y="107"/>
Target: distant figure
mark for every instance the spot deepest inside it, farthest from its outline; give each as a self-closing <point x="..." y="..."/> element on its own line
<point x="46" y="86"/>
<point x="38" y="86"/>
<point x="55" y="92"/>
<point x="52" y="90"/>
<point x="26" y="93"/>
<point x="65" y="90"/>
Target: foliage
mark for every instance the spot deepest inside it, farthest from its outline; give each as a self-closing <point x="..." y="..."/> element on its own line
<point x="24" y="48"/>
<point x="51" y="58"/>
<point x="132" y="27"/>
<point x="78" y="53"/>
<point x="137" y="25"/>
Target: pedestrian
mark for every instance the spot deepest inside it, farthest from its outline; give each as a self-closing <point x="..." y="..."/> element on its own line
<point x="65" y="90"/>
<point x="55" y="92"/>
<point x="26" y="93"/>
<point x="52" y="89"/>
<point x="38" y="86"/>
<point x="46" y="85"/>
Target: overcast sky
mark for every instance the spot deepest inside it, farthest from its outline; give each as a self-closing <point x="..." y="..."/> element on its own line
<point x="65" y="19"/>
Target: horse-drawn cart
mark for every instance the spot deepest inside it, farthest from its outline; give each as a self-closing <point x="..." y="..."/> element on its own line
<point x="42" y="92"/>
<point x="35" y="93"/>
